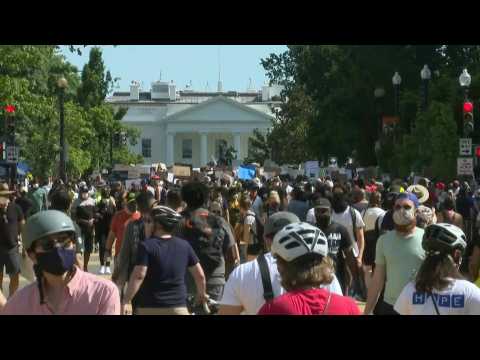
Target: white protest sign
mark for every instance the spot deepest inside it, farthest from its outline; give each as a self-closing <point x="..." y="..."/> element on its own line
<point x="464" y="166"/>
<point x="170" y="177"/>
<point x="312" y="168"/>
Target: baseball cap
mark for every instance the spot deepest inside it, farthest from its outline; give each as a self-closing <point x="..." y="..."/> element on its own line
<point x="322" y="203"/>
<point x="278" y="220"/>
<point x="409" y="196"/>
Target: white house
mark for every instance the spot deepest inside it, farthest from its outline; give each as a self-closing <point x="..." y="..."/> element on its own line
<point x="190" y="127"/>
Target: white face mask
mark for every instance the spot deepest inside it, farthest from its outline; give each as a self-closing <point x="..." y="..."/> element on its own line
<point x="403" y="217"/>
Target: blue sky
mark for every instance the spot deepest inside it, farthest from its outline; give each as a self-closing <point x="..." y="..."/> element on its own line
<point x="182" y="63"/>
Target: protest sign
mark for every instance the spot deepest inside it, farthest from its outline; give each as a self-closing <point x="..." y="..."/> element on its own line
<point x="182" y="171"/>
<point x="246" y="172"/>
<point x="312" y="168"/>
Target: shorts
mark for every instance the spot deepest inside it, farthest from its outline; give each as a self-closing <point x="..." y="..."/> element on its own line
<point x="370" y="247"/>
<point x="87" y="241"/>
<point x="10" y="260"/>
<point x="162" y="311"/>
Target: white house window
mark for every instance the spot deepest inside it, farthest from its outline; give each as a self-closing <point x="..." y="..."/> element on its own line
<point x="187" y="148"/>
<point x="147" y="148"/>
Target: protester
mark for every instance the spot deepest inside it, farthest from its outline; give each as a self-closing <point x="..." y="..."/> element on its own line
<point x="61" y="288"/>
<point x="297" y="204"/>
<point x="83" y="210"/>
<point x="162" y="262"/>
<point x="398" y="256"/>
<point x="449" y="215"/>
<point x="210" y="237"/>
<point x="105" y="209"/>
<point x="11" y="223"/>
<point x="439" y="288"/>
<point x="301" y="251"/>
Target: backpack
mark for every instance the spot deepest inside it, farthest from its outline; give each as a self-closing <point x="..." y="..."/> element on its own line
<point x="205" y="233"/>
<point x="258" y="234"/>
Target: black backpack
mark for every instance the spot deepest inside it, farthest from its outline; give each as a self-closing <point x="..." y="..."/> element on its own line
<point x="205" y="233"/>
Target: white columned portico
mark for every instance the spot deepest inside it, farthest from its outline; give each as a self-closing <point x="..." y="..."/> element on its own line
<point x="237" y="144"/>
<point x="203" y="148"/>
<point x="170" y="149"/>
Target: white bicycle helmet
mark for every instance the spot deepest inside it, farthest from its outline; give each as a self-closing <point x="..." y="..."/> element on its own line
<point x="443" y="237"/>
<point x="298" y="239"/>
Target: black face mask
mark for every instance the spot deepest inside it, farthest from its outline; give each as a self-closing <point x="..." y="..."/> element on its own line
<point x="57" y="261"/>
<point x="339" y="203"/>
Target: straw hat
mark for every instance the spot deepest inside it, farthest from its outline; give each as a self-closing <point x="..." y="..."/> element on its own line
<point x="420" y="191"/>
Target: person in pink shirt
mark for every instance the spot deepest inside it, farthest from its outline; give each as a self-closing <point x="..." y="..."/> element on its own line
<point x="62" y="288"/>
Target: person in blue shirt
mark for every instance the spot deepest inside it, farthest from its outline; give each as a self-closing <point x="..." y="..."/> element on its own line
<point x="161" y="266"/>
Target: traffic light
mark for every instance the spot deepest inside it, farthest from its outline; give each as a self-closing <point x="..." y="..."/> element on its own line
<point x="468" y="127"/>
<point x="477" y="151"/>
<point x="123" y="138"/>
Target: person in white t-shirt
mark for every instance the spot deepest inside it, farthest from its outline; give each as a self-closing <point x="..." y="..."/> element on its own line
<point x="372" y="218"/>
<point x="439" y="288"/>
<point x="244" y="291"/>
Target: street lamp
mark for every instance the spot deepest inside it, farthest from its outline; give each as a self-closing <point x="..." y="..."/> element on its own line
<point x="426" y="75"/>
<point x="396" y="81"/>
<point x="379" y="93"/>
<point x="465" y="80"/>
<point x="62" y="85"/>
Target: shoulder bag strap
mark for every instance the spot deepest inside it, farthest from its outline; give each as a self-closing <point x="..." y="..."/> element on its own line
<point x="434" y="303"/>
<point x="354" y="223"/>
<point x="266" y="281"/>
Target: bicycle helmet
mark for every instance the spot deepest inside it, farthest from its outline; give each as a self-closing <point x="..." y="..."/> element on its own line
<point x="443" y="238"/>
<point x="46" y="223"/>
<point x="165" y="216"/>
<point x="299" y="239"/>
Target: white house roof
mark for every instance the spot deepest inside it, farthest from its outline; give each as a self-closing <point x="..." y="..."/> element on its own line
<point x="176" y="111"/>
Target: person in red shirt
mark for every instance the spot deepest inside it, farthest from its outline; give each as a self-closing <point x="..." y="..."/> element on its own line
<point x="119" y="224"/>
<point x="301" y="251"/>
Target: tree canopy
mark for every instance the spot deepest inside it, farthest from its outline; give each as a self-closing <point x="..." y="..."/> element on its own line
<point x="28" y="79"/>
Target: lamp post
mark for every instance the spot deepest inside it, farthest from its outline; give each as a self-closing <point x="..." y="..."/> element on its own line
<point x="465" y="80"/>
<point x="396" y="81"/>
<point x="379" y="93"/>
<point x="62" y="85"/>
<point x="426" y="75"/>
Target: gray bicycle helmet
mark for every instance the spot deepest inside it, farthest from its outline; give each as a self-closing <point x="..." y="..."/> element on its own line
<point x="165" y="216"/>
<point x="443" y="238"/>
<point x="46" y="223"/>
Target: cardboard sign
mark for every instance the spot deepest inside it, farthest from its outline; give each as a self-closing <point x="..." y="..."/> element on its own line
<point x="182" y="171"/>
<point x="130" y="182"/>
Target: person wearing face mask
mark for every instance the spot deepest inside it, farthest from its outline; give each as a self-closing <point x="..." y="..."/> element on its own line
<point x="352" y="220"/>
<point x="83" y="210"/>
<point x="398" y="256"/>
<point x="439" y="288"/>
<point x="340" y="244"/>
<point x="61" y="287"/>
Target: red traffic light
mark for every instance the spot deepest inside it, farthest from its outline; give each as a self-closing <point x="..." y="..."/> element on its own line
<point x="10" y="109"/>
<point x="477" y="151"/>
<point x="467" y="107"/>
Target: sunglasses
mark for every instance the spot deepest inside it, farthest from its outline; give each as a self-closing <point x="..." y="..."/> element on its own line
<point x="53" y="241"/>
<point x="405" y="207"/>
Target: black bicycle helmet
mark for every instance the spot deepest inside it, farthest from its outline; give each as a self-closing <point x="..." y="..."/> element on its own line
<point x="165" y="216"/>
<point x="443" y="238"/>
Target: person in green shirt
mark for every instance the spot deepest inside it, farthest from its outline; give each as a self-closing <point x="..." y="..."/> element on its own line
<point x="398" y="256"/>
